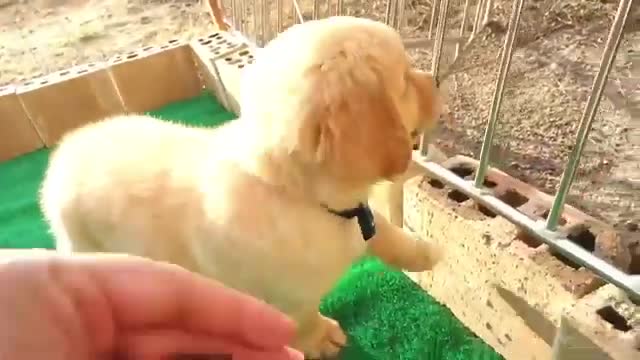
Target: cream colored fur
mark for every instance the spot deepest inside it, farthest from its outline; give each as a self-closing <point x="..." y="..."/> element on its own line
<point x="326" y="113"/>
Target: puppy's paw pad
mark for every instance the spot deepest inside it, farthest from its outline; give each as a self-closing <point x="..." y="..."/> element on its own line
<point x="335" y="334"/>
<point x="330" y="343"/>
<point x="427" y="256"/>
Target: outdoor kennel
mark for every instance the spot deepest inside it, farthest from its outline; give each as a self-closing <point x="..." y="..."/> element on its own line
<point x="534" y="277"/>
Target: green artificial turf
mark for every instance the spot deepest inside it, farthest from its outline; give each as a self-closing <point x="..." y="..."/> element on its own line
<point x="387" y="316"/>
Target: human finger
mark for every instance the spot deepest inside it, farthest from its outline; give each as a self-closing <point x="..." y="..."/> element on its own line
<point x="138" y="293"/>
<point x="147" y="293"/>
<point x="163" y="343"/>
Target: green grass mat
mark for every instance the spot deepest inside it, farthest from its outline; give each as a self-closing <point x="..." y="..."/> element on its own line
<point x="386" y="315"/>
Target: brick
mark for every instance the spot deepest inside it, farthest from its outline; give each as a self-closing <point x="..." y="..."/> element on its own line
<point x="64" y="100"/>
<point x="587" y="231"/>
<point x="221" y="68"/>
<point x="603" y="325"/>
<point x="17" y="134"/>
<point x="219" y="44"/>
<point x="528" y="286"/>
<point x="481" y="308"/>
<point x="154" y="76"/>
<point x="576" y="279"/>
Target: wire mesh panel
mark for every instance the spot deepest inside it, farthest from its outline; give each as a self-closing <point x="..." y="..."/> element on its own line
<point x="450" y="34"/>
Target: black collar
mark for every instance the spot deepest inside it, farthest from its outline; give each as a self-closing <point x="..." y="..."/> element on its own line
<point x="365" y="219"/>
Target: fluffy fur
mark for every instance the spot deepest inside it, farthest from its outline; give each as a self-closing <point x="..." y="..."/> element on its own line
<point x="328" y="109"/>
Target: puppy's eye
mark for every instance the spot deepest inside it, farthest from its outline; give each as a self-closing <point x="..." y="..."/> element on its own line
<point x="415" y="133"/>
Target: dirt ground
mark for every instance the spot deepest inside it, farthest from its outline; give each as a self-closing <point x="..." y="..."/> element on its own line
<point x="557" y="55"/>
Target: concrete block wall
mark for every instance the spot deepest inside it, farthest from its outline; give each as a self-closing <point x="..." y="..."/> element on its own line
<point x="38" y="112"/>
<point x="510" y="289"/>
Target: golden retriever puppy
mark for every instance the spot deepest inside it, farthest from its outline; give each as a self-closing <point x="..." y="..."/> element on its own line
<point x="275" y="203"/>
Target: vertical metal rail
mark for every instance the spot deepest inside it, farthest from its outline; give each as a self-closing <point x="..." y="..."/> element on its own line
<point x="340" y="7"/>
<point x="437" y="45"/>
<point x="435" y="61"/>
<point x="487" y="12"/>
<point x="298" y="11"/>
<point x="264" y="23"/>
<point x="254" y="21"/>
<point x="243" y="14"/>
<point x="234" y="13"/>
<point x="476" y="20"/>
<point x="279" y="15"/>
<point x="589" y="113"/>
<point x="435" y="4"/>
<point x="505" y="62"/>
<point x="401" y="12"/>
<point x="316" y="9"/>
<point x="390" y="12"/>
<point x="463" y="25"/>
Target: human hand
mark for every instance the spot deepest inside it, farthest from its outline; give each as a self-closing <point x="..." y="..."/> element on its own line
<point x="100" y="306"/>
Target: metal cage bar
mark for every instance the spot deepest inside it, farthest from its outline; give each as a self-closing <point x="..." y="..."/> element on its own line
<point x="279" y="16"/>
<point x="437" y="45"/>
<point x="296" y="6"/>
<point x="628" y="283"/>
<point x="505" y="63"/>
<point x="435" y="4"/>
<point x="476" y="22"/>
<point x="463" y="25"/>
<point x="401" y="14"/>
<point x="435" y="62"/>
<point x="543" y="232"/>
<point x="589" y="113"/>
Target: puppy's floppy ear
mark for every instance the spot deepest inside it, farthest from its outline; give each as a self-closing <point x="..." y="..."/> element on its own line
<point x="430" y="101"/>
<point x="351" y="124"/>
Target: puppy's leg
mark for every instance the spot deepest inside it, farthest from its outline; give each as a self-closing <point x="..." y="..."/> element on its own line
<point x="318" y="336"/>
<point x="398" y="248"/>
<point x="69" y="233"/>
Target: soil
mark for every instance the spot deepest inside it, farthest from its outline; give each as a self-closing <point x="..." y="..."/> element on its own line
<point x="557" y="54"/>
<point x="556" y="57"/>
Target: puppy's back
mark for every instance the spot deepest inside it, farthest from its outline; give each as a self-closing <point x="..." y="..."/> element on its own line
<point x="97" y="169"/>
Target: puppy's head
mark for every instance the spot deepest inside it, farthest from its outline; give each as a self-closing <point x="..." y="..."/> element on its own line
<point x="343" y="96"/>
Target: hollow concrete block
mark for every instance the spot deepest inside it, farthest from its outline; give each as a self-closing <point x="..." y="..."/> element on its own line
<point x="64" y="100"/>
<point x="154" y="76"/>
<point x="602" y="325"/>
<point x="506" y="290"/>
<point x="18" y="135"/>
<point x="221" y="58"/>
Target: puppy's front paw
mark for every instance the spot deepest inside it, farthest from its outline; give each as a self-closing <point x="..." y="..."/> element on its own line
<point x="327" y="340"/>
<point x="427" y="255"/>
